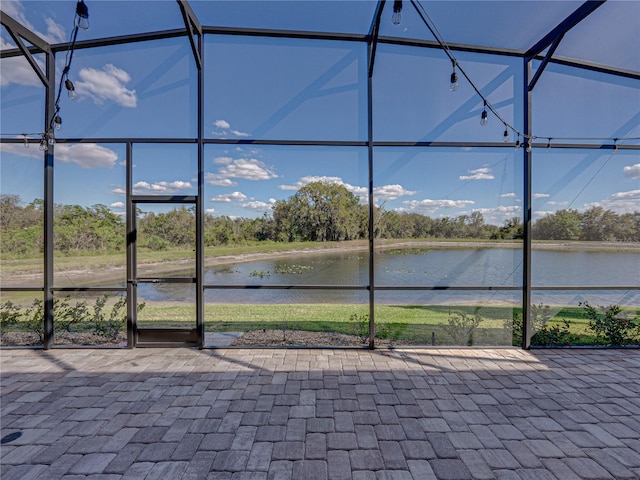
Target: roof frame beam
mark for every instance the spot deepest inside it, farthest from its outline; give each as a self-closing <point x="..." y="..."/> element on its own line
<point x="555" y="36"/>
<point x="18" y="32"/>
<point x="373" y="35"/>
<point x="191" y="23"/>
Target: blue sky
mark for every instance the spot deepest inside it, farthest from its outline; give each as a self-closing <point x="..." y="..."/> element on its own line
<point x="283" y="89"/>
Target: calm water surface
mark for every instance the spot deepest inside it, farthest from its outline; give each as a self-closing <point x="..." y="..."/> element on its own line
<point x="438" y="267"/>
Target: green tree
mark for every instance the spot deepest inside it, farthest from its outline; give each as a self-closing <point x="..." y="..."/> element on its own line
<point x="319" y="211"/>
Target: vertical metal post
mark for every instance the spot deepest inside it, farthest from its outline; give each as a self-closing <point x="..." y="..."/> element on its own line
<point x="132" y="237"/>
<point x="527" y="328"/>
<point x="200" y="202"/>
<point x="372" y="331"/>
<point x="48" y="204"/>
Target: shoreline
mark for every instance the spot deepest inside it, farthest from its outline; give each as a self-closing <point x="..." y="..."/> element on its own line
<point x="98" y="274"/>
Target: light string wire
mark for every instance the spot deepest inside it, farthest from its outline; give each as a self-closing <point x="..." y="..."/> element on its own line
<point x="430" y="24"/>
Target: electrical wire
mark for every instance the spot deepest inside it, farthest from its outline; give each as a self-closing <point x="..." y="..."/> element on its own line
<point x="431" y="26"/>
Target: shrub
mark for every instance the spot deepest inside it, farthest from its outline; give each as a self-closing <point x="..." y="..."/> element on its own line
<point x="611" y="325"/>
<point x="9" y="314"/>
<point x="461" y="327"/>
<point x="549" y="335"/>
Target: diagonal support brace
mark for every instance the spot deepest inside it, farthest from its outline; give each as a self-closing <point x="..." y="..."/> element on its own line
<point x="193" y="27"/>
<point x="18" y="32"/>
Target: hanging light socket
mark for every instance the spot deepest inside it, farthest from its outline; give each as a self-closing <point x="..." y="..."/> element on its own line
<point x="397" y="12"/>
<point x="505" y="135"/>
<point x="57" y="120"/>
<point x="82" y="15"/>
<point x="484" y="118"/>
<point x="26" y="141"/>
<point x="454" y="78"/>
<point x="71" y="90"/>
<point x="518" y="143"/>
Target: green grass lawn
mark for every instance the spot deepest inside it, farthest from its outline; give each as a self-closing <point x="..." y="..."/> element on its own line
<point x="399" y="324"/>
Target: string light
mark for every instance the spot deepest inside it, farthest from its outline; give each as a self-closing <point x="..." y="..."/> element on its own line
<point x="454" y="84"/>
<point x="26" y="141"/>
<point x="484" y="117"/>
<point x="518" y="143"/>
<point x="57" y="120"/>
<point x="44" y="144"/>
<point x="71" y="90"/>
<point x="615" y="145"/>
<point x="82" y="15"/>
<point x="529" y="146"/>
<point x="397" y="12"/>
<point x="549" y="145"/>
<point x="454" y="77"/>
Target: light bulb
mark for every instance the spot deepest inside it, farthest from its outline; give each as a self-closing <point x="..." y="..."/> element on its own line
<point x="82" y="15"/>
<point x="58" y="122"/>
<point x="51" y="138"/>
<point x="397" y="12"/>
<point x="518" y="144"/>
<point x="71" y="90"/>
<point x="43" y="145"/>
<point x="454" y="81"/>
<point x="26" y="142"/>
<point x="484" y="118"/>
<point x="529" y="147"/>
<point x="549" y="145"/>
<point x="505" y="138"/>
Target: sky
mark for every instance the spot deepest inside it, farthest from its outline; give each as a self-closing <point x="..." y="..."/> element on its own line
<point x="285" y="89"/>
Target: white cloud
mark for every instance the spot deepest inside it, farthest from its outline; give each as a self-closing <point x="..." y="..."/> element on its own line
<point x="620" y="202"/>
<point x="210" y="210"/>
<point x="86" y="155"/>
<point x="428" y="206"/>
<point x="391" y="192"/>
<point x="540" y="195"/>
<point x="498" y="215"/>
<point x="117" y="205"/>
<point x="230" y="197"/>
<point x="508" y="195"/>
<point x="217" y="180"/>
<point x="20" y="150"/>
<point x="360" y="192"/>
<point x="118" y="191"/>
<point x="55" y="32"/>
<point x="223" y="160"/>
<point x="17" y="70"/>
<point x="238" y="133"/>
<point x="141" y="188"/>
<point x="483" y="173"/>
<point x="247" y="169"/>
<point x="632" y="171"/>
<point x="557" y="204"/>
<point x="260" y="206"/>
<point x="543" y="213"/>
<point x="224" y="128"/>
<point x="106" y="84"/>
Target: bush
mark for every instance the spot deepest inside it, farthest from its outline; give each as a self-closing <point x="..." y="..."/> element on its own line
<point x="611" y="325"/>
<point x="9" y="314"/>
<point x="461" y="327"/>
<point x="549" y="335"/>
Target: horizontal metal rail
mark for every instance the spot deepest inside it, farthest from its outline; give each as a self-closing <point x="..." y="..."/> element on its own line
<point x="89" y="289"/>
<point x="328" y="143"/>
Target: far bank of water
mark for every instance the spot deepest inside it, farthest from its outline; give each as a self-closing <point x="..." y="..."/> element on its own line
<point x="458" y="267"/>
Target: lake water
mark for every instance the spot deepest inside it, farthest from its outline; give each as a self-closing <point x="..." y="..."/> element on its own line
<point x="481" y="267"/>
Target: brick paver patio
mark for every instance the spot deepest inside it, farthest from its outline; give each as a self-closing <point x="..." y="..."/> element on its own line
<point x="320" y="414"/>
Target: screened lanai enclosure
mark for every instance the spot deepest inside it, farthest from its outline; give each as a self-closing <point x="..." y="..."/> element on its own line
<point x="320" y="173"/>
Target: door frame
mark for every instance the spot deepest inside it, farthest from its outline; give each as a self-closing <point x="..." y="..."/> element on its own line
<point x="161" y="337"/>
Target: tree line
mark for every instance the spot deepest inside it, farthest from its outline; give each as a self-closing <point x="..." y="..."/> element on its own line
<point x="317" y="212"/>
